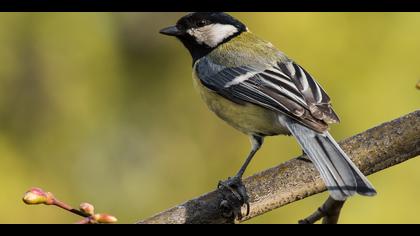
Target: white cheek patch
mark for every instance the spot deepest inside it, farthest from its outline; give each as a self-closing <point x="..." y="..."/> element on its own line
<point x="212" y="35"/>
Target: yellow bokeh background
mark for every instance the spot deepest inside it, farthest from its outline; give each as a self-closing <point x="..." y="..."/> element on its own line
<point x="99" y="107"/>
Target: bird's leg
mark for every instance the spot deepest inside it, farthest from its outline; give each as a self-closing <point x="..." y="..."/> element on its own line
<point x="233" y="191"/>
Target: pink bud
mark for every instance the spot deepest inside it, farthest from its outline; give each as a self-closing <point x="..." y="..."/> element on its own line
<point x="104" y="218"/>
<point x="38" y="196"/>
<point x="87" y="208"/>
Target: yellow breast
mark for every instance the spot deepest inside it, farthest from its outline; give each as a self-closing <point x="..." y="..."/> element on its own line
<point x="247" y="118"/>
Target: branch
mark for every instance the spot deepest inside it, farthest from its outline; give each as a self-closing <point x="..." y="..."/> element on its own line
<point x="373" y="150"/>
<point x="329" y="211"/>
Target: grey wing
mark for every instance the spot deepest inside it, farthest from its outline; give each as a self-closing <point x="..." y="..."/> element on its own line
<point x="285" y="88"/>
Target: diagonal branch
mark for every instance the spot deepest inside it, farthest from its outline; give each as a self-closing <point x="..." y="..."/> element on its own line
<point x="329" y="212"/>
<point x="373" y="150"/>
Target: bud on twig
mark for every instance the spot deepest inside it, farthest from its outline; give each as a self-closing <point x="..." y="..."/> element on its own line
<point x="38" y="196"/>
<point x="87" y="208"/>
<point x="104" y="218"/>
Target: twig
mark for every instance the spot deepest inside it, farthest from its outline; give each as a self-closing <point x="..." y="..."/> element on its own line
<point x="67" y="207"/>
<point x="373" y="150"/>
<point x="37" y="196"/>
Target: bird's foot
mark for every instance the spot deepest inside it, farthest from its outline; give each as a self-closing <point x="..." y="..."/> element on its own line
<point x="234" y="197"/>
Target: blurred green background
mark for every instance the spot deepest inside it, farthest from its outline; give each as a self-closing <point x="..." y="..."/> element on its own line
<point x="99" y="107"/>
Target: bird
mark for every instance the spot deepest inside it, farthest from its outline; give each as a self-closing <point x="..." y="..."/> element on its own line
<point x="257" y="89"/>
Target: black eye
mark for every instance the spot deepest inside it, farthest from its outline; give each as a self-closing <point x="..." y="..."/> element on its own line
<point x="202" y="23"/>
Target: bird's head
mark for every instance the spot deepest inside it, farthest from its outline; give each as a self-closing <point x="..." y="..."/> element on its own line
<point x="201" y="32"/>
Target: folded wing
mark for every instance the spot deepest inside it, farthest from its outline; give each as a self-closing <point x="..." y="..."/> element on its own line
<point x="284" y="87"/>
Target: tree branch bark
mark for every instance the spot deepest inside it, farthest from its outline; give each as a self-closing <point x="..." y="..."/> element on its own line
<point x="373" y="150"/>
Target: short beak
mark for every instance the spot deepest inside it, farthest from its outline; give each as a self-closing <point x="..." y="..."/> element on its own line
<point x="171" y="31"/>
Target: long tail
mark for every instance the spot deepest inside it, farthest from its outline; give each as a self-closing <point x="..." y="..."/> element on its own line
<point x="342" y="178"/>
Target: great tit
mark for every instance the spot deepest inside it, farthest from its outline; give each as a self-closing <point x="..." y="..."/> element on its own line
<point x="261" y="92"/>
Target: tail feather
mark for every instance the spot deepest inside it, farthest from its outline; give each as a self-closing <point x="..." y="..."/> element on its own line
<point x="342" y="178"/>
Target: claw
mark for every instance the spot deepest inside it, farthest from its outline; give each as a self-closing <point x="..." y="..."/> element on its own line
<point x="234" y="197"/>
<point x="232" y="189"/>
<point x="248" y="208"/>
